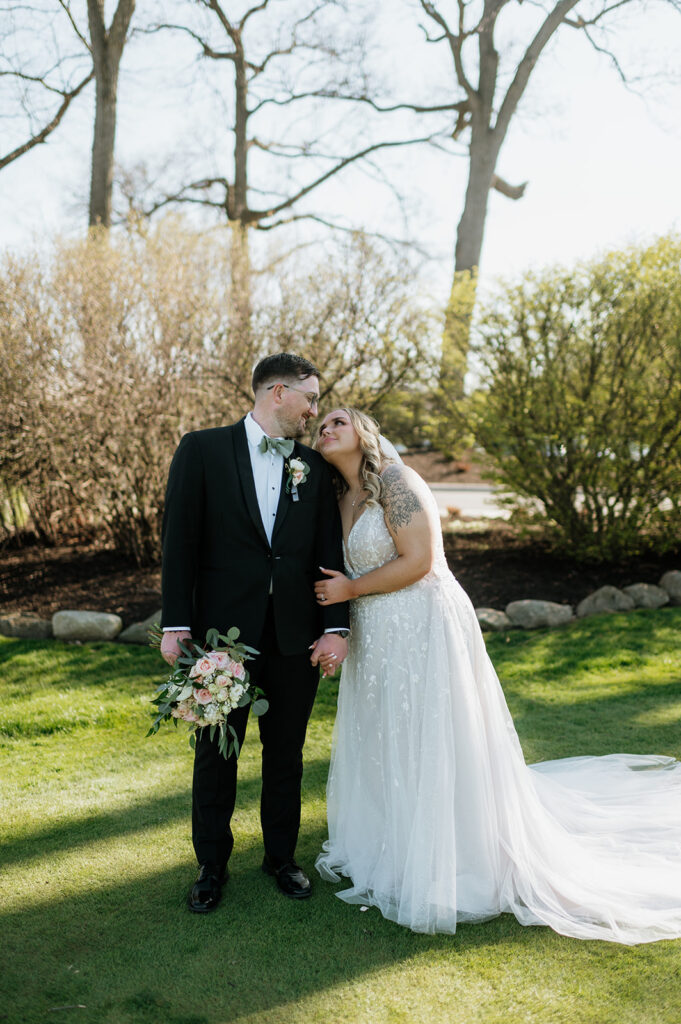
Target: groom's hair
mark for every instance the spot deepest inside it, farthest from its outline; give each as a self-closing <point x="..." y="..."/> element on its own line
<point x="282" y="365"/>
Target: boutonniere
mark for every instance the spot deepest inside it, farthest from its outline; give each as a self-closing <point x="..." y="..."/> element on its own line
<point x="297" y="474"/>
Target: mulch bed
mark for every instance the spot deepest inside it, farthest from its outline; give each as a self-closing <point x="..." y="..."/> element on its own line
<point x="497" y="567"/>
<point x="494" y="567"/>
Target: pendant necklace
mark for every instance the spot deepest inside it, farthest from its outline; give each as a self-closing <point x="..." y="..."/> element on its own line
<point x="354" y="502"/>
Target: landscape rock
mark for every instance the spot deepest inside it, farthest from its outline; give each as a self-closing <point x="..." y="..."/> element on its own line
<point x="138" y="633"/>
<point x="491" y="618"/>
<point x="646" y="595"/>
<point x="671" y="582"/>
<point x="25" y="625"/>
<point x="531" y="614"/>
<point x="86" y="625"/>
<point x="605" y="599"/>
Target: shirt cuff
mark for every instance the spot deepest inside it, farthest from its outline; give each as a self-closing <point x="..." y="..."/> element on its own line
<point x="176" y="629"/>
<point x="337" y="629"/>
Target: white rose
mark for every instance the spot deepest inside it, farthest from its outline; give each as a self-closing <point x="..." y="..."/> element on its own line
<point x="211" y="714"/>
<point x="296" y="466"/>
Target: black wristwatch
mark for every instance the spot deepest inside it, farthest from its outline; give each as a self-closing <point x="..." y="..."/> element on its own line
<point x="344" y="633"/>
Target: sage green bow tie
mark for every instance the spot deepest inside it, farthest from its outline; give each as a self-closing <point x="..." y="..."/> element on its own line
<point x="278" y="445"/>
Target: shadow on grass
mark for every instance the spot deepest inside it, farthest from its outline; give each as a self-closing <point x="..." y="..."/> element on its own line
<point x="77" y="832"/>
<point x="131" y="953"/>
<point x="86" y="663"/>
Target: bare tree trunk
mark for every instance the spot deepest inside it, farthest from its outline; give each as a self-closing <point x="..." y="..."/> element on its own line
<point x="488" y="123"/>
<point x="471" y="227"/>
<point x="238" y="213"/>
<point x="107" y="50"/>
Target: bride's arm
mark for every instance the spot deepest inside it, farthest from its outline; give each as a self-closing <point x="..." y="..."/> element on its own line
<point x="405" y="502"/>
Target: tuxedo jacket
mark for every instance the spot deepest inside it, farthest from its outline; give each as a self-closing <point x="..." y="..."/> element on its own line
<point x="217" y="562"/>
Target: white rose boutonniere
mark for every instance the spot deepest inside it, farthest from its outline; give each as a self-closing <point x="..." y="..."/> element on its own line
<point x="297" y="474"/>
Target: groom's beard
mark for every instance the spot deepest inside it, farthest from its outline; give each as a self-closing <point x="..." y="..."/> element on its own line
<point x="295" y="428"/>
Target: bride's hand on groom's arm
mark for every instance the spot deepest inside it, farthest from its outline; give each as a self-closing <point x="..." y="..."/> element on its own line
<point x="335" y="590"/>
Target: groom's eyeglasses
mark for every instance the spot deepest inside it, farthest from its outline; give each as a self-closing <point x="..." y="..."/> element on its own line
<point x="311" y="396"/>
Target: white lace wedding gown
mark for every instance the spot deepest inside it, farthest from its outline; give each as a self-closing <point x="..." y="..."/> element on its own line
<point x="433" y="813"/>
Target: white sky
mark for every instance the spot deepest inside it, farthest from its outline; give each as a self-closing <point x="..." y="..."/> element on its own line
<point x="603" y="165"/>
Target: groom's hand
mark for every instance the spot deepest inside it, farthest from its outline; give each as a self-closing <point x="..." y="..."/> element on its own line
<point x="329" y="651"/>
<point x="170" y="651"/>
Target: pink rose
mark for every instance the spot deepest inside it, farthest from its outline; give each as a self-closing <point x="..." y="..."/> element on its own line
<point x="185" y="713"/>
<point x="220" y="659"/>
<point x="203" y="696"/>
<point x="203" y="667"/>
<point x="236" y="669"/>
<point x="298" y="477"/>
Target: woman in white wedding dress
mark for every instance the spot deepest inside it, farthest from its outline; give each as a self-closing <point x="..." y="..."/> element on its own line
<point x="433" y="814"/>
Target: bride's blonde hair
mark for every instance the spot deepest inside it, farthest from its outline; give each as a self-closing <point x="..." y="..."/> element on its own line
<point x="373" y="458"/>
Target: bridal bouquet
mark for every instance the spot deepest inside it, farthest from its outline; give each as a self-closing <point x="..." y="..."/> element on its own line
<point x="205" y="686"/>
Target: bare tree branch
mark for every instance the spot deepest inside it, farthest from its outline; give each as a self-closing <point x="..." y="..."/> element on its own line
<point x="609" y="54"/>
<point x="257" y="215"/>
<point x="36" y="140"/>
<point x="331" y="94"/>
<point x="527" y="64"/>
<point x="455" y="45"/>
<point x="580" y="22"/>
<point x="74" y="25"/>
<point x="510" y="191"/>
<point x="251" y="12"/>
<point x="207" y="50"/>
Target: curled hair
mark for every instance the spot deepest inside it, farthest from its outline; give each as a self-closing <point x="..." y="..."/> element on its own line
<point x="283" y="364"/>
<point x="373" y="458"/>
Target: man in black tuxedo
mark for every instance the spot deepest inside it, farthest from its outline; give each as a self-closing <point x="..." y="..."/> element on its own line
<point x="240" y="548"/>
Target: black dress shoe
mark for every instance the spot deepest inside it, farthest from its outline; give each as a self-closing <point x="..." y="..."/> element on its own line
<point x="290" y="877"/>
<point x="207" y="889"/>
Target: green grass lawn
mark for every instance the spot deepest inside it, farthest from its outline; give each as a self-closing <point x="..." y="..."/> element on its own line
<point x="96" y="858"/>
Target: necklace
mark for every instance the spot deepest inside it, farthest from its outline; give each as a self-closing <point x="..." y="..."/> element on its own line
<point x="354" y="501"/>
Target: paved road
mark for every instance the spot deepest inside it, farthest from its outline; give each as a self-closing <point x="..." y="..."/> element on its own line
<point x="471" y="499"/>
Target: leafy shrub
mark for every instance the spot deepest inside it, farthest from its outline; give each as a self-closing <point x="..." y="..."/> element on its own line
<point x="580" y="405"/>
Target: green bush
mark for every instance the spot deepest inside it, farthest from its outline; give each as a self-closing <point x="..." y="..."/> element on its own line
<point x="580" y="404"/>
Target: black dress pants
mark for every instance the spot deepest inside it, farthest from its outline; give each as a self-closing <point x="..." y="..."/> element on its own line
<point x="290" y="685"/>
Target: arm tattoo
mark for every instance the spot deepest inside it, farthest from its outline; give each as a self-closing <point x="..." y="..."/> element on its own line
<point x="399" y="501"/>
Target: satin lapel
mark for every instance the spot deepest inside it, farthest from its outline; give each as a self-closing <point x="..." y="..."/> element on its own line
<point x="243" y="464"/>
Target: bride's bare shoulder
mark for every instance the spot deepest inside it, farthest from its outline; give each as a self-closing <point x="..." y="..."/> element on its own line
<point x="403" y="496"/>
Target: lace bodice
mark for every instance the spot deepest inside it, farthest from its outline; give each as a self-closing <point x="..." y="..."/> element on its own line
<point x="370" y="545"/>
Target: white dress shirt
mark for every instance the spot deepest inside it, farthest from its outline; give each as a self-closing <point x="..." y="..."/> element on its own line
<point x="267" y="473"/>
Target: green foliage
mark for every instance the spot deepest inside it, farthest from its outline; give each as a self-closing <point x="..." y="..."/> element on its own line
<point x="97" y="859"/>
<point x="580" y="407"/>
<point x="448" y="429"/>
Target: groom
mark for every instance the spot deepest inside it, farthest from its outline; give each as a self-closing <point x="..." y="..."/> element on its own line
<point x="242" y="547"/>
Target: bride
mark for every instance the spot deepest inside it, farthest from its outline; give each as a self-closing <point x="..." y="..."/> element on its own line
<point x="433" y="814"/>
